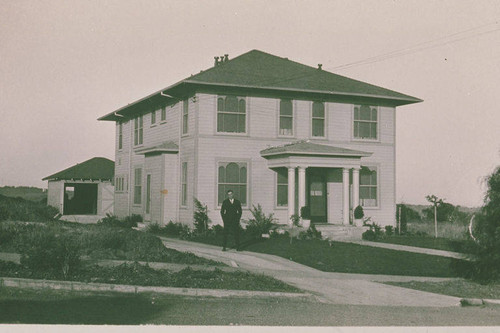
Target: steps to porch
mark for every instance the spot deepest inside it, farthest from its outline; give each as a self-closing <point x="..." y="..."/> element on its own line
<point x="340" y="232"/>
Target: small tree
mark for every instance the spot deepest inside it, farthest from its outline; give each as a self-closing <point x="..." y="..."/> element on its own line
<point x="487" y="265"/>
<point x="359" y="213"/>
<point x="201" y="219"/>
<point x="435" y="202"/>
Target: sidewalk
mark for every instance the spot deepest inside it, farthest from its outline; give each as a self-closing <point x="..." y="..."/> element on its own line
<point x="333" y="288"/>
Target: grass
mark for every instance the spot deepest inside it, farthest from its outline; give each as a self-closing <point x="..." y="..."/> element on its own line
<point x="457" y="288"/>
<point x="18" y="209"/>
<point x="353" y="258"/>
<point x="98" y="242"/>
<point x="143" y="275"/>
<point x="425" y="242"/>
<point x="448" y="230"/>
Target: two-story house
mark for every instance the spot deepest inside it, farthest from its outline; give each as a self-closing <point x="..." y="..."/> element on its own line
<point x="276" y="132"/>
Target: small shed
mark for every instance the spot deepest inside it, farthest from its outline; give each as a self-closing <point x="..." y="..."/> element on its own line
<point x="83" y="189"/>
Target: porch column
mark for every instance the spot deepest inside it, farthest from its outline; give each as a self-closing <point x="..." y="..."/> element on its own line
<point x="355" y="187"/>
<point x="345" y="182"/>
<point x="302" y="187"/>
<point x="291" y="193"/>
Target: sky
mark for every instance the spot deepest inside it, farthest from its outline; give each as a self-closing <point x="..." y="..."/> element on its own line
<point x="63" y="64"/>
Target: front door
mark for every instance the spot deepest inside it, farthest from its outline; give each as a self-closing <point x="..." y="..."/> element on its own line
<point x="317" y="197"/>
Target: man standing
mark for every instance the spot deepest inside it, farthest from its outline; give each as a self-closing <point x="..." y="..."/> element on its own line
<point x="231" y="214"/>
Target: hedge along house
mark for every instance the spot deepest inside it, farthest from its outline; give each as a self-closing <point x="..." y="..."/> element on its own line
<point x="83" y="189"/>
<point x="278" y="133"/>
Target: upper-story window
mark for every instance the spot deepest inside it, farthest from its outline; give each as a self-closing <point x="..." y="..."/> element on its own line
<point x="185" y="116"/>
<point x="163" y="114"/>
<point x="365" y="122"/>
<point x="318" y="119"/>
<point x="231" y="114"/>
<point x="286" y="117"/>
<point x="120" y="135"/>
<point x="153" y="117"/>
<point x="138" y="131"/>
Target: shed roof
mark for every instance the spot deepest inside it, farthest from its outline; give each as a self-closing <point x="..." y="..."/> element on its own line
<point x="309" y="148"/>
<point x="264" y="72"/>
<point x="94" y="168"/>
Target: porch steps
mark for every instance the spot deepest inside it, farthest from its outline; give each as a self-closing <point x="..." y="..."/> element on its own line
<point x="87" y="219"/>
<point x="340" y="232"/>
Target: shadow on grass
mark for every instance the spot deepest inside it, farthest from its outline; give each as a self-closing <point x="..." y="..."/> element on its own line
<point x="48" y="307"/>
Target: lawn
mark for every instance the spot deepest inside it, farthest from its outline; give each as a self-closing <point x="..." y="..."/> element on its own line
<point x="426" y="242"/>
<point x="142" y="275"/>
<point x="457" y="288"/>
<point x="353" y="258"/>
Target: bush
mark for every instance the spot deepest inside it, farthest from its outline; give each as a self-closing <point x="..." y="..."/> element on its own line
<point x="200" y="216"/>
<point x="305" y="213"/>
<point x="260" y="223"/>
<point x="487" y="232"/>
<point x="388" y="230"/>
<point x="50" y="250"/>
<point x="359" y="213"/>
<point x="374" y="233"/>
<point x="311" y="233"/>
<point x="18" y="209"/>
<point x="113" y="221"/>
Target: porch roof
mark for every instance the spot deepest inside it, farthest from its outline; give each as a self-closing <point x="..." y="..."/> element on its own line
<point x="301" y="148"/>
<point x="164" y="147"/>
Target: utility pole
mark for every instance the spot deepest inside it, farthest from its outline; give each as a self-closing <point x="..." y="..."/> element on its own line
<point x="435" y="201"/>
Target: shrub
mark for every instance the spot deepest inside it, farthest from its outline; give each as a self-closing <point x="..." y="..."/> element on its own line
<point x="50" y="250"/>
<point x="18" y="209"/>
<point x="305" y="213"/>
<point x="200" y="216"/>
<point x="374" y="233"/>
<point x="295" y="220"/>
<point x="113" y="221"/>
<point x="359" y="213"/>
<point x="487" y="231"/>
<point x="388" y="230"/>
<point x="260" y="223"/>
<point x="311" y="233"/>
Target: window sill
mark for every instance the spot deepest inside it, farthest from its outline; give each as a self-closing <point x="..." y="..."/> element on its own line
<point x="163" y="122"/>
<point x="232" y="134"/>
<point x="371" y="207"/>
<point x="152" y="125"/>
<point x="365" y="140"/>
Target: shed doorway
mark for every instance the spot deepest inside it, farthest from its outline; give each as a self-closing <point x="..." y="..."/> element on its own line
<point x="80" y="199"/>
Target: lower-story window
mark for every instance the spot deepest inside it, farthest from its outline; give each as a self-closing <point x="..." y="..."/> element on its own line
<point x="368" y="183"/>
<point x="120" y="184"/>
<point x="138" y="186"/>
<point x="282" y="187"/>
<point x="232" y="176"/>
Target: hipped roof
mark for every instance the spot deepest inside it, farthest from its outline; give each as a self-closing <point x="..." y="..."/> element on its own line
<point x="94" y="168"/>
<point x="263" y="73"/>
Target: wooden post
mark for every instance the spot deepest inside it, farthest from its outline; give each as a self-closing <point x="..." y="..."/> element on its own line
<point x="435" y="220"/>
<point x="399" y="221"/>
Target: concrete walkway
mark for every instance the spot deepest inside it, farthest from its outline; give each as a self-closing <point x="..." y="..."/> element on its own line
<point x="414" y="249"/>
<point x="333" y="288"/>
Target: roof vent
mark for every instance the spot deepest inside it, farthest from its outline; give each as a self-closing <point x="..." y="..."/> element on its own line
<point x="319" y="66"/>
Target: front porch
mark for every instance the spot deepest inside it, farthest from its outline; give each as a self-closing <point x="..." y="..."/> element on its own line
<point x="324" y="178"/>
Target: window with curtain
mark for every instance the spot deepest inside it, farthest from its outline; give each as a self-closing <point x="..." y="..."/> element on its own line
<point x="282" y="187"/>
<point x="138" y="131"/>
<point x="120" y="135"/>
<point x="318" y="119"/>
<point x="232" y="176"/>
<point x="368" y="187"/>
<point x="138" y="186"/>
<point x="184" y="184"/>
<point x="286" y="117"/>
<point x="185" y="116"/>
<point x="231" y="114"/>
<point x="365" y="122"/>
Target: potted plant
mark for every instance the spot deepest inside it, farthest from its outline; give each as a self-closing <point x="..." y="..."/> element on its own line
<point x="358" y="216"/>
<point x="294" y="232"/>
<point x="305" y="215"/>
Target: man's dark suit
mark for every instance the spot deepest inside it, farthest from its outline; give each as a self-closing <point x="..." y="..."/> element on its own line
<point x="231" y="214"/>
